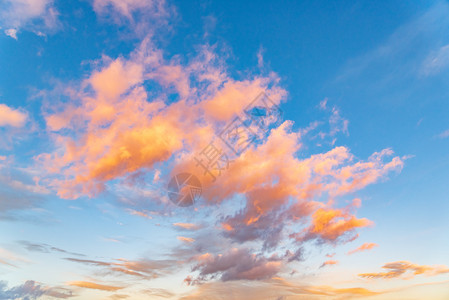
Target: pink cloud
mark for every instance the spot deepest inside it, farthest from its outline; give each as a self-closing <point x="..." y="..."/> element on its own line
<point x="11" y="117"/>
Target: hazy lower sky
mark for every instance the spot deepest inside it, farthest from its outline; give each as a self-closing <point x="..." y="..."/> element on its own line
<point x="155" y="149"/>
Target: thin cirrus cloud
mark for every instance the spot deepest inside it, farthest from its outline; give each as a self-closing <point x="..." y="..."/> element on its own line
<point x="436" y="62"/>
<point x="45" y="248"/>
<point x="95" y="286"/>
<point x="364" y="247"/>
<point x="399" y="268"/>
<point x="144" y="268"/>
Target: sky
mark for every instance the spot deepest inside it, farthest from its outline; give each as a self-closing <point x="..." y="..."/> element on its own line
<point x="154" y="149"/>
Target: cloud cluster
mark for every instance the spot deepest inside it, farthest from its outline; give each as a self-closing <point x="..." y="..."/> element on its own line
<point x="116" y="129"/>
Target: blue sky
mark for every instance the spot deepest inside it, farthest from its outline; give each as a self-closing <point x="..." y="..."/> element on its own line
<point x="103" y="101"/>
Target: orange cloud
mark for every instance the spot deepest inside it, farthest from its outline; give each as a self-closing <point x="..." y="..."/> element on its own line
<point x="329" y="263"/>
<point x="115" y="130"/>
<point x="185" y="239"/>
<point x="188" y="226"/>
<point x="11" y="117"/>
<point x="332" y="224"/>
<point x="118" y="132"/>
<point x="275" y="288"/>
<point x="144" y="214"/>
<point x="364" y="247"/>
<point x="396" y="269"/>
<point x="95" y="286"/>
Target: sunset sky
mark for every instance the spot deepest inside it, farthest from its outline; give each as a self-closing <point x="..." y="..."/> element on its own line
<point x="342" y="195"/>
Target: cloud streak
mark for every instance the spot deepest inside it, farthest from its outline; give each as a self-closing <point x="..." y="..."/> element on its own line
<point x="399" y="268"/>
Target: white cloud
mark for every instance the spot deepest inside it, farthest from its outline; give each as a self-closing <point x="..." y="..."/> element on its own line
<point x="12" y="33"/>
<point x="444" y="134"/>
<point x="436" y="61"/>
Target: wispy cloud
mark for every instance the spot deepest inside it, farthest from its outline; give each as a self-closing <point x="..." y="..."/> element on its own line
<point x="329" y="263"/>
<point x="144" y="268"/>
<point x="45" y="248"/>
<point x="95" y="286"/>
<point x="444" y="134"/>
<point x="34" y="15"/>
<point x="436" y="62"/>
<point x="399" y="268"/>
<point x="364" y="247"/>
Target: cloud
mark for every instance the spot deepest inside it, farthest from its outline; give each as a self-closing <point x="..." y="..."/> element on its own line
<point x="187" y="226"/>
<point x="332" y="226"/>
<point x="114" y="131"/>
<point x="119" y="296"/>
<point x="12" y="33"/>
<point x="144" y="268"/>
<point x="20" y="189"/>
<point x="276" y="288"/>
<point x="157" y="292"/>
<point x="11" y="117"/>
<point x="34" y="15"/>
<point x="329" y="263"/>
<point x="364" y="247"/>
<point x="8" y="258"/>
<point x="277" y="191"/>
<point x="436" y="61"/>
<point x="95" y="286"/>
<point x="140" y="16"/>
<point x="185" y="239"/>
<point x="45" y="248"/>
<point x="30" y="290"/>
<point x="399" y="268"/>
<point x="444" y="134"/>
<point x="236" y="264"/>
<point x="127" y="7"/>
<point x="144" y="214"/>
<point x="111" y="130"/>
